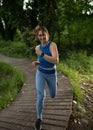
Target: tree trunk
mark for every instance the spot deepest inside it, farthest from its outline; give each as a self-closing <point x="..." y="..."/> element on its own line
<point x="10" y="33"/>
<point x="2" y="31"/>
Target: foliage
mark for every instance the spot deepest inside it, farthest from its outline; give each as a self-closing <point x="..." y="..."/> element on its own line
<point x="11" y="80"/>
<point x="74" y="78"/>
<point x="43" y="13"/>
<point x="78" y="67"/>
<point x="69" y="22"/>
<point x="16" y="49"/>
<point x="74" y="23"/>
<point x="80" y="62"/>
<point x="28" y="38"/>
<point x="11" y="15"/>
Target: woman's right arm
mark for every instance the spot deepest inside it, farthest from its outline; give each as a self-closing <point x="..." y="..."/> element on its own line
<point x="35" y="63"/>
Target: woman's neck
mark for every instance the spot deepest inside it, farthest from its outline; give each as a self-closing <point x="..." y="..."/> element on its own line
<point x="45" y="43"/>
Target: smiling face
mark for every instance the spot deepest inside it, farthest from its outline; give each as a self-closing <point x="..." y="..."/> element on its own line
<point x="43" y="36"/>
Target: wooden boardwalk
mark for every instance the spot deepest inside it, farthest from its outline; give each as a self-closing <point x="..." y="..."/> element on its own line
<point x="21" y="113"/>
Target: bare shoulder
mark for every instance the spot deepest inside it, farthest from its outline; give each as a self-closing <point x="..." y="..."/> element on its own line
<point x="53" y="45"/>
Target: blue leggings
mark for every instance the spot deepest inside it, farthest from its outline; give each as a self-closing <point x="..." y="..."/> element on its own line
<point x="41" y="79"/>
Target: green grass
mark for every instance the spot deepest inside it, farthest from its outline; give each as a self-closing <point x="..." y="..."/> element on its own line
<point x="78" y="67"/>
<point x="16" y="49"/>
<point x="11" y="80"/>
<point x="74" y="78"/>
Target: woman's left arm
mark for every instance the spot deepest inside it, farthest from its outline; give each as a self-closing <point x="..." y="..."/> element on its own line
<point x="54" y="58"/>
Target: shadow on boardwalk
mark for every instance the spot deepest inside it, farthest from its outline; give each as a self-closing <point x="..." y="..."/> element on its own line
<point x="21" y="113"/>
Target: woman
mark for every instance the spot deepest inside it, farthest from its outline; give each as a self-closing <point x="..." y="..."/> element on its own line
<point x="46" y="72"/>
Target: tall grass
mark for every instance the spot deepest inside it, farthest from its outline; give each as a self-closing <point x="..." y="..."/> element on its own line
<point x="16" y="49"/>
<point x="11" y="80"/>
<point x="78" y="67"/>
<point x="74" y="78"/>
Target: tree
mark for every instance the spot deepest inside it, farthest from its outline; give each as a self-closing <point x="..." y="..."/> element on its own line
<point x="75" y="21"/>
<point x="11" y="13"/>
<point x="44" y="13"/>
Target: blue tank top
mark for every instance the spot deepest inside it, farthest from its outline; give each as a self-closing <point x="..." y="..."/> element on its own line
<point x="44" y="63"/>
<point x="46" y="50"/>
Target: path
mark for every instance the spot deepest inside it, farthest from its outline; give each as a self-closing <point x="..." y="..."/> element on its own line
<point x="21" y="113"/>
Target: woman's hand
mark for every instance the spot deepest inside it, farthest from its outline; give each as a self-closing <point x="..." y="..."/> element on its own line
<point x="35" y="63"/>
<point x="38" y="51"/>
